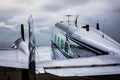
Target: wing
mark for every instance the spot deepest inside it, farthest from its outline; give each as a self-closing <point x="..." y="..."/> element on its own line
<point x="43" y="54"/>
<point x="13" y="58"/>
<point x="90" y="66"/>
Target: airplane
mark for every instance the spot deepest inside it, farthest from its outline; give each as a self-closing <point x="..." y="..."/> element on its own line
<point x="81" y="51"/>
<point x="28" y="55"/>
<point x="74" y="42"/>
<point x="72" y="45"/>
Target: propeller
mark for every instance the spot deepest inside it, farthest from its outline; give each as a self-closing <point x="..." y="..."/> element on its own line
<point x="22" y="32"/>
<point x="32" y="44"/>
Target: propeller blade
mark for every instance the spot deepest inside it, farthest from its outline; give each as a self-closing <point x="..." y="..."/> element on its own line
<point x="22" y="32"/>
<point x="32" y="67"/>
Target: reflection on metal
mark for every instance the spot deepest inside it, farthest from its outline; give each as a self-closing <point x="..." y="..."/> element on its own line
<point x="32" y="50"/>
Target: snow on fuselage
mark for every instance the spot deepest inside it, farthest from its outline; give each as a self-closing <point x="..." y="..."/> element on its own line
<point x="91" y="39"/>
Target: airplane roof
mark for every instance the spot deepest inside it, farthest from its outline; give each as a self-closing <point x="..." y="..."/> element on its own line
<point x="92" y="37"/>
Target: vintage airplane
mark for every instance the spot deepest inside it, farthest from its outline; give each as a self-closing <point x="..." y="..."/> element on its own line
<point x="26" y="55"/>
<point x="81" y="52"/>
<point x="74" y="42"/>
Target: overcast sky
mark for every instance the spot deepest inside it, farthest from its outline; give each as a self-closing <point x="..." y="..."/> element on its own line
<point x="47" y="12"/>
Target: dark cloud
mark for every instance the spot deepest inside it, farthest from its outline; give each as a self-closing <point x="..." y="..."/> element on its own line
<point x="7" y="37"/>
<point x="8" y="13"/>
<point x="116" y="9"/>
<point x="5" y="18"/>
<point x="110" y="11"/>
<point x="113" y="25"/>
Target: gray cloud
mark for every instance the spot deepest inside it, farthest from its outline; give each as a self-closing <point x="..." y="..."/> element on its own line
<point x="5" y="18"/>
<point x="7" y="37"/>
<point x="8" y="13"/>
<point x="75" y="2"/>
<point x="53" y="7"/>
<point x="59" y="5"/>
<point x="90" y="11"/>
<point x="43" y="38"/>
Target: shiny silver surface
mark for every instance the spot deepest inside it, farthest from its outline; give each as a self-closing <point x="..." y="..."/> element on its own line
<point x="87" y="66"/>
<point x="13" y="58"/>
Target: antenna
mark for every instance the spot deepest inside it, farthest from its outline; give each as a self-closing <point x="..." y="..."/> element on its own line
<point x="68" y="19"/>
<point x="76" y="21"/>
<point x="103" y="29"/>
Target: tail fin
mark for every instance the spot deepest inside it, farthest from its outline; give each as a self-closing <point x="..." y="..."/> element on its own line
<point x="31" y="47"/>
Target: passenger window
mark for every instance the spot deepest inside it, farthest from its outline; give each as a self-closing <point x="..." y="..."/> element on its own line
<point x="55" y="37"/>
<point x="58" y="41"/>
<point x="62" y="44"/>
<point x="67" y="46"/>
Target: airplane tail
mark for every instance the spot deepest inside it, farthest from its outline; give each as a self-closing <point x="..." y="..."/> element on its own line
<point x="31" y="45"/>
